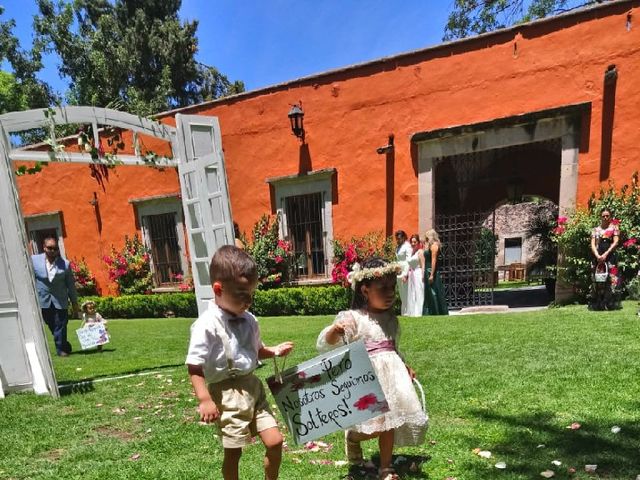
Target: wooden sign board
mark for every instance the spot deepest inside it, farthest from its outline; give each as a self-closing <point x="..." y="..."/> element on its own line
<point x="92" y="335"/>
<point x="330" y="392"/>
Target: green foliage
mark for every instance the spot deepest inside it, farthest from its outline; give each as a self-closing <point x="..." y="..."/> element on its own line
<point x="301" y="301"/>
<point x="540" y="228"/>
<point x="85" y="280"/>
<point x="137" y="51"/>
<point x="473" y="17"/>
<point x="486" y="248"/>
<point x="146" y="306"/>
<point x="573" y="236"/>
<point x="273" y="256"/>
<point x="633" y="289"/>
<point x="20" y="89"/>
<point x="130" y="268"/>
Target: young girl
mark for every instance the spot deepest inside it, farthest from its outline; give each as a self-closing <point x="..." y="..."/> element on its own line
<point x="371" y="319"/>
<point x="90" y="316"/>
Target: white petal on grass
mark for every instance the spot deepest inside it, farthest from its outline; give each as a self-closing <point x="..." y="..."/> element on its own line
<point x="615" y="429"/>
<point x="501" y="465"/>
<point x="557" y="463"/>
<point x="548" y="474"/>
<point x="484" y="454"/>
<point x="590" y="468"/>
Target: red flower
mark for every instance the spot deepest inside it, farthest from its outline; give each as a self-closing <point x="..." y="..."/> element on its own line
<point x="366" y="401"/>
<point x="615" y="221"/>
<point x="562" y="220"/>
<point x="278" y="259"/>
<point x="613" y="270"/>
<point x="559" y="230"/>
<point x="630" y="242"/>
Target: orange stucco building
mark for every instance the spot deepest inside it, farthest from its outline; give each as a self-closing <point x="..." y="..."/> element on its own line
<point x="531" y="105"/>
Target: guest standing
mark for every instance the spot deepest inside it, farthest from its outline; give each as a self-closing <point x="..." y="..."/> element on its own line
<point x="403" y="253"/>
<point x="415" y="291"/>
<point x="55" y="285"/>
<point x="435" y="302"/>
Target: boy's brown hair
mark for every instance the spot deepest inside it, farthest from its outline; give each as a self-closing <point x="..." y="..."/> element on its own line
<point x="230" y="263"/>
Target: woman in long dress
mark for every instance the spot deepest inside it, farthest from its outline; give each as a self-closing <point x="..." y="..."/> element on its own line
<point x="403" y="252"/>
<point x="415" y="293"/>
<point x="435" y="302"/>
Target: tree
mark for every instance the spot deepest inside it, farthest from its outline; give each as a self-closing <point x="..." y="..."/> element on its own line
<point x="21" y="89"/>
<point x="134" y="52"/>
<point x="473" y="17"/>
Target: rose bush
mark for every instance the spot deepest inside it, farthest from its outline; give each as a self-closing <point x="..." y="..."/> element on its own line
<point x="358" y="249"/>
<point x="130" y="267"/>
<point x="273" y="256"/>
<point x="85" y="280"/>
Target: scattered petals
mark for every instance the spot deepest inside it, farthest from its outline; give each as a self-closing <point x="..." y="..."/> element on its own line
<point x="98" y="405"/>
<point x="432" y="442"/>
<point x="78" y="369"/>
<point x="450" y="461"/>
<point x="119" y="411"/>
<point x="501" y="465"/>
<point x="340" y="463"/>
<point x="557" y="463"/>
<point x="476" y="451"/>
<point x="296" y="460"/>
<point x="590" y="468"/>
<point x="615" y="429"/>
<point x="484" y="454"/>
<point x="542" y="445"/>
<point x="548" y="474"/>
<point x="135" y="456"/>
<point x="148" y="430"/>
<point x="574" y="426"/>
<point x="571" y="470"/>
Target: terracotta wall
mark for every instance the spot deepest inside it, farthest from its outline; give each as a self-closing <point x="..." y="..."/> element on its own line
<point x="348" y="114"/>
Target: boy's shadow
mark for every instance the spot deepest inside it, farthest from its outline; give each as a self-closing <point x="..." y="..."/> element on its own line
<point x="406" y="466"/>
<point x="93" y="351"/>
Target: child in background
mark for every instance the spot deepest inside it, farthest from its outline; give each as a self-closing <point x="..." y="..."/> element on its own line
<point x="91" y="317"/>
<point x="372" y="319"/>
<point x="224" y="350"/>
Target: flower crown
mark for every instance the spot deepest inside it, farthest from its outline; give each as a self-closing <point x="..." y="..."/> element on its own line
<point x="358" y="274"/>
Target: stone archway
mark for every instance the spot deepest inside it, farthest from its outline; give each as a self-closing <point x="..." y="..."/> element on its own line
<point x="479" y="148"/>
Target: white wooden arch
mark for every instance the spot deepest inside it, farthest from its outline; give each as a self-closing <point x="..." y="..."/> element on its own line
<point x="25" y="361"/>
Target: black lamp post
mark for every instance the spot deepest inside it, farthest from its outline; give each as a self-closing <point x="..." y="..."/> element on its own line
<point x="296" y="117"/>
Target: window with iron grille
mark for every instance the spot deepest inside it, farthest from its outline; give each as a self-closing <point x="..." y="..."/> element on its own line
<point x="165" y="250"/>
<point x="304" y="224"/>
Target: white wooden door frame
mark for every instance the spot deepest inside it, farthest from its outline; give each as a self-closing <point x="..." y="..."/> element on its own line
<point x="18" y="299"/>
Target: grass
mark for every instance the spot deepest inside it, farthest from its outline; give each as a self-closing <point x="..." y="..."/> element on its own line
<point x="504" y="383"/>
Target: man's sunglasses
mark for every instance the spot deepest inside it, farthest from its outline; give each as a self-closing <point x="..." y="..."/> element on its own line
<point x="53" y="249"/>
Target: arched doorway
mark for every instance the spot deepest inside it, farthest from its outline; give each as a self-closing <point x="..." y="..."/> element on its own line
<point x="464" y="172"/>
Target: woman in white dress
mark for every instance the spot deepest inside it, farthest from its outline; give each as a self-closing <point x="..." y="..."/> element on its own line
<point x="403" y="253"/>
<point x="415" y="291"/>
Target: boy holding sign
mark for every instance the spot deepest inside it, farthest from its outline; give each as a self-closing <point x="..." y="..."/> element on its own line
<point x="372" y="320"/>
<point x="224" y="350"/>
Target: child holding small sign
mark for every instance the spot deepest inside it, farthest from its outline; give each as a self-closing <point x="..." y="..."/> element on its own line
<point x="224" y="350"/>
<point x="91" y="317"/>
<point x="372" y="319"/>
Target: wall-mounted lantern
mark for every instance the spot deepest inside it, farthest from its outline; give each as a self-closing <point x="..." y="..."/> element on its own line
<point x="296" y="117"/>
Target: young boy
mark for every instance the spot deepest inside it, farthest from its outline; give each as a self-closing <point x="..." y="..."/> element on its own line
<point x="224" y="350"/>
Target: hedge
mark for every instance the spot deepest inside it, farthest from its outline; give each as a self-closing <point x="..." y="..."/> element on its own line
<point x="285" y="301"/>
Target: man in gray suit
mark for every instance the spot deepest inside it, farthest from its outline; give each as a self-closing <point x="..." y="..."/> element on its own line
<point x="55" y="286"/>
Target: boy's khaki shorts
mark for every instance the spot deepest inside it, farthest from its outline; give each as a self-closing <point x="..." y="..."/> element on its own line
<point x="244" y="411"/>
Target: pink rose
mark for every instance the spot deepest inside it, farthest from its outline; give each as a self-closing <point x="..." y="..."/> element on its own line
<point x="630" y="242"/>
<point x="615" y="221"/>
<point x="562" y="220"/>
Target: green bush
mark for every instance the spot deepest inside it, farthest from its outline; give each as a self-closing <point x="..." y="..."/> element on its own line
<point x="633" y="289"/>
<point x="326" y="300"/>
<point x="146" y="306"/>
<point x="573" y="235"/>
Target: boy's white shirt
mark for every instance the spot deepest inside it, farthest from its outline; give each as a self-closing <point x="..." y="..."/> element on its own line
<point x="207" y="343"/>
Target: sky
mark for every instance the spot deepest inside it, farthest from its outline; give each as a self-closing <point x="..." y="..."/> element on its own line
<point x="265" y="42"/>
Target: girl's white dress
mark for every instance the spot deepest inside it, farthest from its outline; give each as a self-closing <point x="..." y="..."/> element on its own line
<point x="415" y="292"/>
<point x="403" y="253"/>
<point x="405" y="414"/>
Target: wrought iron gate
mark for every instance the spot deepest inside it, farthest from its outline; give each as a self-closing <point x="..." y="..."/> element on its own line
<point x="467" y="257"/>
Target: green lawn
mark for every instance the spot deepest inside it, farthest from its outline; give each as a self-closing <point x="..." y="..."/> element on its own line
<point x="503" y="383"/>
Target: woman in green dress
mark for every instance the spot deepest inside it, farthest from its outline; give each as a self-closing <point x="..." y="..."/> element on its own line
<point x="435" y="302"/>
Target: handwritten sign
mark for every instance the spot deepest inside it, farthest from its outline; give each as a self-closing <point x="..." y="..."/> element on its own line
<point x="92" y="335"/>
<point x="328" y="393"/>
